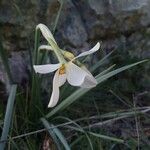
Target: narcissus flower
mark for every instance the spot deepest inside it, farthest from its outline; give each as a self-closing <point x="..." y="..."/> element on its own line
<point x="65" y="71"/>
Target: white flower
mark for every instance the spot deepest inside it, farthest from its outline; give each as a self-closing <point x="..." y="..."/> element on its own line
<point x="68" y="71"/>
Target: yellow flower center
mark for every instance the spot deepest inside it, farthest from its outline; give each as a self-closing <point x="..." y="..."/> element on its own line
<point x="62" y="69"/>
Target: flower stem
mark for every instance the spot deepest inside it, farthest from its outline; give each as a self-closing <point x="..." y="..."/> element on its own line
<point x="36" y="45"/>
<point x="57" y="51"/>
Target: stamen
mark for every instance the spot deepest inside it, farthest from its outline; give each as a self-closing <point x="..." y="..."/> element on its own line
<point x="62" y="69"/>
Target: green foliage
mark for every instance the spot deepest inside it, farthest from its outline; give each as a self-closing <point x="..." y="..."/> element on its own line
<point x="80" y="92"/>
<point x="8" y="116"/>
<point x="29" y="110"/>
<point x="56" y="134"/>
<point x="77" y="121"/>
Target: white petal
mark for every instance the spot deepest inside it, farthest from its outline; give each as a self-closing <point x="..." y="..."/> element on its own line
<point x="62" y="79"/>
<point x="47" y="47"/>
<point x="43" y="69"/>
<point x="91" y="51"/>
<point x="89" y="81"/>
<point x="84" y="68"/>
<point x="76" y="76"/>
<point x="55" y="91"/>
<point x="45" y="32"/>
<point x="58" y="81"/>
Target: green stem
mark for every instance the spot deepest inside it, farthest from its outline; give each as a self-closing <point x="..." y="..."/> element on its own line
<point x="57" y="51"/>
<point x="36" y="45"/>
<point x="58" y="15"/>
<point x="35" y="87"/>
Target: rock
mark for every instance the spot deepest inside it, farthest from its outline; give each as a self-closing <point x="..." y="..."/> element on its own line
<point x="121" y="25"/>
<point x="118" y="6"/>
<point x="19" y="70"/>
<point x="18" y="20"/>
<point x="138" y="45"/>
<point x="107" y="18"/>
<point x="70" y="29"/>
<point x="18" y="65"/>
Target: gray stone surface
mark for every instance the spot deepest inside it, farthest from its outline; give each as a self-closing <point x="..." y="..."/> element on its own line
<point x="71" y="28"/>
<point x="121" y="25"/>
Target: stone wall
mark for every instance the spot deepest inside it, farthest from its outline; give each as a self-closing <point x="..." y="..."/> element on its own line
<point x="121" y="25"/>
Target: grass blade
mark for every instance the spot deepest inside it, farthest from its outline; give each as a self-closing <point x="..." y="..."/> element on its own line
<point x="57" y="132"/>
<point x="80" y="128"/>
<point x="35" y="87"/>
<point x="106" y="137"/>
<point x="36" y="46"/>
<point x="98" y="135"/>
<point x="100" y="62"/>
<point x="106" y="70"/>
<point x="8" y="116"/>
<point x="51" y="132"/>
<point x="58" y="15"/>
<point x="80" y="92"/>
<point x="61" y="137"/>
<point x="114" y="72"/>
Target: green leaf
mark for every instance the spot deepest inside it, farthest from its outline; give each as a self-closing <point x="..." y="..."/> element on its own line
<point x="100" y="62"/>
<point x="61" y="137"/>
<point x="51" y="132"/>
<point x="106" y="137"/>
<point x="80" y="128"/>
<point x="8" y="116"/>
<point x="106" y="70"/>
<point x="80" y="92"/>
<point x="35" y="102"/>
<point x="99" y="135"/>
<point x="58" y="15"/>
<point x="114" y="72"/>
<point x="54" y="133"/>
<point x="36" y="46"/>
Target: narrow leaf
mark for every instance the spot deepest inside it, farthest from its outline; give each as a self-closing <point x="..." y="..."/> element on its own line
<point x="80" y="128"/>
<point x="100" y="62"/>
<point x="8" y="116"/>
<point x="61" y="137"/>
<point x="57" y="132"/>
<point x="114" y="72"/>
<point x="51" y="132"/>
<point x="106" y="137"/>
<point x="58" y="15"/>
<point x="99" y="135"/>
<point x="80" y="92"/>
